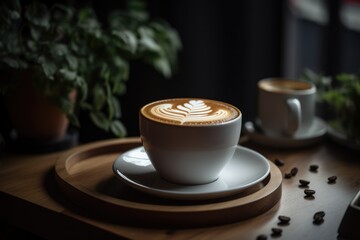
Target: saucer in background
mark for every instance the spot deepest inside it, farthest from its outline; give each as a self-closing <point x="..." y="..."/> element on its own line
<point x="315" y="134"/>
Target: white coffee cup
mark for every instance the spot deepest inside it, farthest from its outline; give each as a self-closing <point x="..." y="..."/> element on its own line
<point x="285" y="107"/>
<point x="189" y="140"/>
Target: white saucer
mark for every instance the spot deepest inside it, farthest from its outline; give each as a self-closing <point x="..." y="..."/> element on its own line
<point x="315" y="134"/>
<point x="246" y="169"/>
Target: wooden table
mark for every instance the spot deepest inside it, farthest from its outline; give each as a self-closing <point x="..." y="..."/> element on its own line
<point x="30" y="200"/>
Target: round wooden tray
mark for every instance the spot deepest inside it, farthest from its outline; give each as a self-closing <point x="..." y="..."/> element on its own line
<point x="85" y="175"/>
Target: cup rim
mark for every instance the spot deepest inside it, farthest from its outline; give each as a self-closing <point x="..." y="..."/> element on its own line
<point x="239" y="116"/>
<point x="310" y="90"/>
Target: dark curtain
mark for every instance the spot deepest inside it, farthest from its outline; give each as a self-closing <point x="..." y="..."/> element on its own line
<point x="227" y="47"/>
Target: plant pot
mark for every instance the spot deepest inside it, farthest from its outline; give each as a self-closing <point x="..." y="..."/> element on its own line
<point x="34" y="117"/>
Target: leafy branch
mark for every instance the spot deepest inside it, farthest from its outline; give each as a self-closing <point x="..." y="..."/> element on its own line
<point x="342" y="94"/>
<point x="68" y="49"/>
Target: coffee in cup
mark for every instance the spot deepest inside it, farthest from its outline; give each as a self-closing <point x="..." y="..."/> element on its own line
<point x="189" y="140"/>
<point x="285" y="107"/>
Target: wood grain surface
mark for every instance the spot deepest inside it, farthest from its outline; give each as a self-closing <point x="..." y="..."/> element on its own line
<point x="85" y="175"/>
<point x="31" y="199"/>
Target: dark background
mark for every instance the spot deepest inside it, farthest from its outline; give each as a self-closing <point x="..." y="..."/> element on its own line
<point x="227" y="47"/>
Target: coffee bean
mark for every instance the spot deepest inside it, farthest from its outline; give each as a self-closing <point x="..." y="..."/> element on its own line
<point x="318" y="217"/>
<point x="318" y="220"/>
<point x="320" y="213"/>
<point x="304" y="183"/>
<point x="314" y="168"/>
<point x="288" y="175"/>
<point x="278" y="162"/>
<point x="294" y="171"/>
<point x="309" y="192"/>
<point x="261" y="237"/>
<point x="276" y="231"/>
<point x="284" y="219"/>
<point x="332" y="179"/>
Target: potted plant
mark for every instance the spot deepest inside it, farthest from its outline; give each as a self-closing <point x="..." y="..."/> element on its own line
<point x="341" y="97"/>
<point x="69" y="58"/>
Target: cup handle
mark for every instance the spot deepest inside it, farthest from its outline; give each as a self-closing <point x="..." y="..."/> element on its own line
<point x="293" y="116"/>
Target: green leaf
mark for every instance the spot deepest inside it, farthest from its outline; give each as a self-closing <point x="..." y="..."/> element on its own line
<point x="100" y="120"/>
<point x="31" y="45"/>
<point x="11" y="62"/>
<point x="74" y="46"/>
<point x="118" y="129"/>
<point x="49" y="68"/>
<point x="148" y="44"/>
<point x="147" y="40"/>
<point x="163" y="66"/>
<point x="105" y="71"/>
<point x="74" y="120"/>
<point x="119" y="87"/>
<point x="89" y="23"/>
<point x="115" y="102"/>
<point x="128" y="40"/>
<point x="35" y="33"/>
<point x="66" y="105"/>
<point x="23" y="64"/>
<point x="86" y="106"/>
<point x="61" y="13"/>
<point x="113" y="107"/>
<point x="136" y="5"/>
<point x="38" y="15"/>
<point x="11" y="43"/>
<point x="137" y="10"/>
<point x="123" y="67"/>
<point x="59" y="49"/>
<point x="99" y="97"/>
<point x="72" y="61"/>
<point x="14" y="15"/>
<point x="174" y="39"/>
<point x="68" y="74"/>
<point x="83" y="88"/>
<point x="357" y="88"/>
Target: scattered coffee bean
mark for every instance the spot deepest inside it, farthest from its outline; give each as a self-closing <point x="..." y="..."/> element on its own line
<point x="309" y="192"/>
<point x="276" y="231"/>
<point x="261" y="237"/>
<point x="284" y="219"/>
<point x="294" y="171"/>
<point x="318" y="220"/>
<point x="332" y="179"/>
<point x="318" y="217"/>
<point x="278" y="162"/>
<point x="320" y="214"/>
<point x="288" y="175"/>
<point x="314" y="168"/>
<point x="304" y="183"/>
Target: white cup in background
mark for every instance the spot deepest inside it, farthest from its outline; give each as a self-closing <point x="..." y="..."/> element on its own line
<point x="285" y="107"/>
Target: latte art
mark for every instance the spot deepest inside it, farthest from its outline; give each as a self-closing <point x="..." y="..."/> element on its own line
<point x="190" y="111"/>
<point x="194" y="111"/>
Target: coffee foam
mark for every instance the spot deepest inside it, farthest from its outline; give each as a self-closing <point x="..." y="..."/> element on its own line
<point x="187" y="111"/>
<point x="283" y="85"/>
